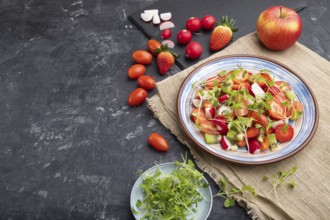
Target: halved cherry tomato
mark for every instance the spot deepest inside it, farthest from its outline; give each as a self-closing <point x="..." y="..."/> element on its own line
<point x="265" y="144"/>
<point x="142" y="57"/>
<point x="200" y="114"/>
<point x="252" y="132"/>
<point x="209" y="128"/>
<point x="260" y="119"/>
<point x="136" y="70"/>
<point x="137" y="97"/>
<point x="158" y="142"/>
<point x="146" y="82"/>
<point x="240" y="76"/>
<point x="277" y="111"/>
<point x="153" y="45"/>
<point x="241" y="143"/>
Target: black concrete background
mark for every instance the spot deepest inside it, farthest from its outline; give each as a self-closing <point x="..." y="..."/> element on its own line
<point x="70" y="146"/>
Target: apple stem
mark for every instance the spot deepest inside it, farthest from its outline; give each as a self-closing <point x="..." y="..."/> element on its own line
<point x="281" y="14"/>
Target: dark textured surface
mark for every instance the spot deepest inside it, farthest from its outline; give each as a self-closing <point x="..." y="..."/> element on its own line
<point x="69" y="144"/>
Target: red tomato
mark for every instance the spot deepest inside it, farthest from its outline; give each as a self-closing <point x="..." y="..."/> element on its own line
<point x="241" y="143"/>
<point x="146" y="82"/>
<point x="193" y="50"/>
<point x="208" y="22"/>
<point x="153" y="45"/>
<point x="166" y="34"/>
<point x="277" y="111"/>
<point x="136" y="70"/>
<point x="193" y="24"/>
<point x="260" y="119"/>
<point x="184" y="36"/>
<point x="209" y="128"/>
<point x="158" y="142"/>
<point x="200" y="114"/>
<point x="142" y="57"/>
<point x="137" y="97"/>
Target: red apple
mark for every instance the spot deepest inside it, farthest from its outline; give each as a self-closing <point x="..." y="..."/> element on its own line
<point x="279" y="27"/>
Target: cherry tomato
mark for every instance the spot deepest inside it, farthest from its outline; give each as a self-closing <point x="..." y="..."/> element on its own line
<point x="136" y="70"/>
<point x="166" y="34"/>
<point x="193" y="24"/>
<point x="277" y="111"/>
<point x="158" y="142"/>
<point x="184" y="36"/>
<point x="260" y="119"/>
<point x="241" y="143"/>
<point x="200" y="114"/>
<point x="194" y="50"/>
<point x="146" y="82"/>
<point x="208" y="22"/>
<point x="209" y="128"/>
<point x="142" y="57"/>
<point x="153" y="45"/>
<point x="137" y="97"/>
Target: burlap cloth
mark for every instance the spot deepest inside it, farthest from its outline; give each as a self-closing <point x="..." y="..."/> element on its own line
<point x="310" y="199"/>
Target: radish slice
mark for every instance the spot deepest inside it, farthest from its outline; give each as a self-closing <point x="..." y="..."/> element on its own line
<point x="166" y="16"/>
<point x="156" y="19"/>
<point x="146" y="17"/>
<point x="151" y="11"/>
<point x="210" y="113"/>
<point x="170" y="44"/>
<point x="223" y="109"/>
<point x="166" y="25"/>
<point x="197" y="103"/>
<point x="257" y="90"/>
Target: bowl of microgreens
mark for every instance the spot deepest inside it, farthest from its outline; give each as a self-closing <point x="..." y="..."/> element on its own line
<point x="247" y="109"/>
<point x="171" y="191"/>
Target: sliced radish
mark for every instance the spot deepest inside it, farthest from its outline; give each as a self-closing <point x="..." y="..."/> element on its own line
<point x="166" y="25"/>
<point x="151" y="11"/>
<point x="210" y="113"/>
<point x="225" y="143"/>
<point x="257" y="90"/>
<point x="146" y="17"/>
<point x="223" y="98"/>
<point x="223" y="110"/>
<point x="197" y="103"/>
<point x="156" y="19"/>
<point x="170" y="44"/>
<point x="222" y="128"/>
<point x="166" y="16"/>
<point x="254" y="146"/>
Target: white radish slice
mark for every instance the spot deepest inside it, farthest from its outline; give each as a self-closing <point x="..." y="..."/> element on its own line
<point x="146" y="17"/>
<point x="156" y="19"/>
<point x="197" y="103"/>
<point x="151" y="11"/>
<point x="210" y="113"/>
<point x="223" y="110"/>
<point x="257" y="90"/>
<point x="166" y="25"/>
<point x="170" y="44"/>
<point x="166" y="16"/>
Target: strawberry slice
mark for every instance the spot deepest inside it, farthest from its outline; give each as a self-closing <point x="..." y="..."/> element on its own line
<point x="198" y="113"/>
<point x="252" y="132"/>
<point x="209" y="128"/>
<point x="277" y="111"/>
<point x="284" y="132"/>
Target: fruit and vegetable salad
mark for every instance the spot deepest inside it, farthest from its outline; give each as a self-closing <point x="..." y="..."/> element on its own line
<point x="239" y="109"/>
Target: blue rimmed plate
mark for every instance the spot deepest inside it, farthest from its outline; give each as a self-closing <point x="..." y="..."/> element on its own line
<point x="304" y="127"/>
<point x="204" y="206"/>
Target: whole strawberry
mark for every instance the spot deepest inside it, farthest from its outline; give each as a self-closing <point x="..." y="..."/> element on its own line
<point x="165" y="59"/>
<point x="222" y="34"/>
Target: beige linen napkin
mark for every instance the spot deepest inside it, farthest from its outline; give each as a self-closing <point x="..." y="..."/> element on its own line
<point x="310" y="199"/>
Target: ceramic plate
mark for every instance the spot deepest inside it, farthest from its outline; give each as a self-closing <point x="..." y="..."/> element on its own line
<point x="204" y="206"/>
<point x="304" y="127"/>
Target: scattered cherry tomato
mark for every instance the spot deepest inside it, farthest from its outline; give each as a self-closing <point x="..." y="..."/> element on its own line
<point x="166" y="34"/>
<point x="184" y="36"/>
<point x="193" y="24"/>
<point x="208" y="22"/>
<point x="137" y="97"/>
<point x="153" y="45"/>
<point x="142" y="57"/>
<point x="158" y="142"/>
<point x="146" y="82"/>
<point x="136" y="70"/>
<point x="193" y="50"/>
